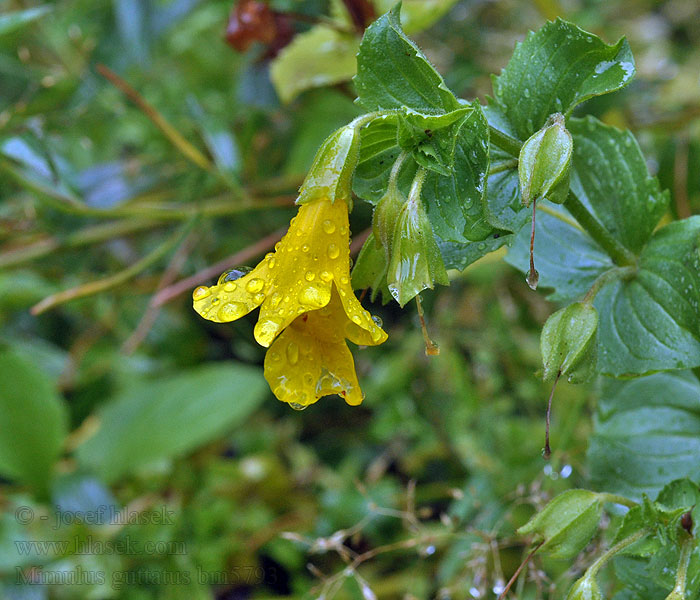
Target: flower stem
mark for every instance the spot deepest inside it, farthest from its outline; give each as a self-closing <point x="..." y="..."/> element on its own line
<point x="620" y="255"/>
<point x="505" y="142"/>
<point x="682" y="573"/>
<point x="621" y="545"/>
<point x="604" y="278"/>
<point x="614" y="498"/>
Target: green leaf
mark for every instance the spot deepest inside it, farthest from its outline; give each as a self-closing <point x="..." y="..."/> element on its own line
<point x="379" y="149"/>
<point x="167" y="418"/>
<point x="417" y="15"/>
<point x="392" y="72"/>
<point x="567" y="523"/>
<point x="611" y="178"/>
<point x="34" y="421"/>
<point x="555" y="69"/>
<point x="456" y="202"/>
<point x="567" y="259"/>
<point x="646" y="433"/>
<point x="14" y="20"/>
<point x="431" y="138"/>
<point x="318" y="57"/>
<point x="652" y="322"/>
<point x="459" y="256"/>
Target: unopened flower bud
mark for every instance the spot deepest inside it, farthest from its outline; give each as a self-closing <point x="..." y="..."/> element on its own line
<point x="585" y="588"/>
<point x="330" y="175"/>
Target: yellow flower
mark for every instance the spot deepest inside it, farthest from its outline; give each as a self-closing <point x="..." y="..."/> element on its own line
<point x="309" y="271"/>
<point x="310" y="358"/>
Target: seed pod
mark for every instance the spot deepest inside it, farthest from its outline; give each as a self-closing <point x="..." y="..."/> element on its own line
<point x="567" y="523"/>
<point x="569" y="343"/>
<point x="544" y="165"/>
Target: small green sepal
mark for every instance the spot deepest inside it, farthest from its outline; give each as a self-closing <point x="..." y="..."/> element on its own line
<point x="566" y="524"/>
<point x="544" y="165"/>
<point x="370" y="270"/>
<point x="331" y="173"/>
<point x="569" y="343"/>
<point x="386" y="216"/>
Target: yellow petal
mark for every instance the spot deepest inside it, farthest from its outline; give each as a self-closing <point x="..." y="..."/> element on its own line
<point x="310" y="359"/>
<point x="232" y="300"/>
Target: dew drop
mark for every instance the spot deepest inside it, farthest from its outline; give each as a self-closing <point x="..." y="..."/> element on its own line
<point x="305" y="248"/>
<point x="232" y="311"/>
<point x="275" y="299"/>
<point x="356" y="319"/>
<point x="255" y="285"/>
<point x="333" y="251"/>
<point x="326" y="276"/>
<point x="312" y="295"/>
<point x="292" y="353"/>
<point x="377" y="320"/>
<point x="297" y="406"/>
<point x="233" y="274"/>
<point x="229" y="286"/>
<point x="201" y="292"/>
<point x="344" y="280"/>
<point x="328" y="226"/>
<point x="309" y="276"/>
<point x="215" y="300"/>
<point x="258" y="298"/>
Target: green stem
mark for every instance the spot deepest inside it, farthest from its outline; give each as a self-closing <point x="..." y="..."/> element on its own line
<point x="417" y="185"/>
<point x="682" y="573"/>
<point x="398" y="163"/>
<point x="620" y="255"/>
<point x="100" y="285"/>
<point x="89" y="235"/>
<point x="614" y="498"/>
<point x="612" y="275"/>
<point x="628" y="541"/>
<point x="503" y="166"/>
<point x="505" y="142"/>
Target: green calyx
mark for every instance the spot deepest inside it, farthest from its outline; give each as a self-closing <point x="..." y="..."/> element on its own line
<point x="331" y="173"/>
<point x="585" y="588"/>
<point x="567" y="523"/>
<point x="544" y="165"/>
<point x="569" y="343"/>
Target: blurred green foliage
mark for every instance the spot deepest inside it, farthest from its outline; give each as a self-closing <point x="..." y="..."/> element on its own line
<point x="151" y="410"/>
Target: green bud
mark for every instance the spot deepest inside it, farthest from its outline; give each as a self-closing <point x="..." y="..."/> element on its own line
<point x="585" y="588"/>
<point x="386" y="215"/>
<point x="370" y="270"/>
<point x="545" y="163"/>
<point x="569" y="343"/>
<point x="330" y="175"/>
<point x="415" y="263"/>
<point x="567" y="523"/>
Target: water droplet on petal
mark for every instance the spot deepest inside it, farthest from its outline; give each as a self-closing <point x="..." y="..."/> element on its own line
<point x="314" y="296"/>
<point x="265" y="331"/>
<point x="292" y="353"/>
<point x="297" y="406"/>
<point x="333" y="251"/>
<point x="258" y="298"/>
<point x="255" y="285"/>
<point x="215" y="300"/>
<point x="344" y="280"/>
<point x="305" y="248"/>
<point x="232" y="311"/>
<point x="201" y="292"/>
<point x="377" y="320"/>
<point x="356" y="319"/>
<point x="233" y="274"/>
<point x="275" y="299"/>
<point x="328" y="226"/>
<point x="229" y="286"/>
<point x="309" y="276"/>
<point x="326" y="276"/>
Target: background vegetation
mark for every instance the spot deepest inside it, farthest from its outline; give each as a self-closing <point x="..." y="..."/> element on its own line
<point x="116" y="199"/>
